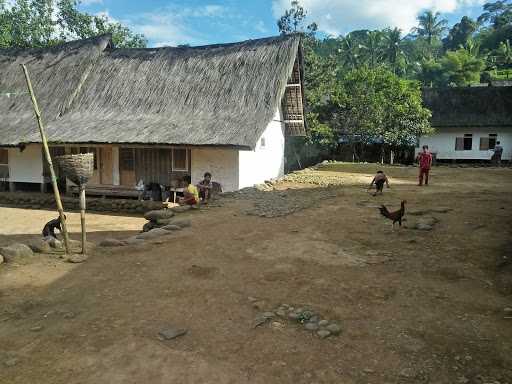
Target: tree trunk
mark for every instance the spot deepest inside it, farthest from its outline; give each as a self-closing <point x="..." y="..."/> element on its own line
<point x="391" y="157"/>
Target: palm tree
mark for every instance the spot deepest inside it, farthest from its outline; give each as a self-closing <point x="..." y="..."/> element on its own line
<point x="393" y="51"/>
<point x="431" y="26"/>
<point x="349" y="51"/>
<point x="372" y="48"/>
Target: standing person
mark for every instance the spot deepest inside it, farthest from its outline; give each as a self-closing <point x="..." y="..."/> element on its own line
<point x="191" y="193"/>
<point x="498" y="151"/>
<point x="205" y="187"/>
<point x="425" y="162"/>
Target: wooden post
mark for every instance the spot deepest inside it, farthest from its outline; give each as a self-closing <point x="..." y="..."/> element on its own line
<point x="49" y="161"/>
<point x="82" y="217"/>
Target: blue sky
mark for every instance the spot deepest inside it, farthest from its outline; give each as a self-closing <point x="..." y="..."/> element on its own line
<point x="198" y="22"/>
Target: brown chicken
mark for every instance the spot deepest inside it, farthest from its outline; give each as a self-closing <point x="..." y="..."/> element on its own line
<point x="396" y="216"/>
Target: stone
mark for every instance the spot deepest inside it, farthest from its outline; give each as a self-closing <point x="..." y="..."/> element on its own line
<point x="423" y="227"/>
<point x="149" y="226"/>
<point x="507" y="311"/>
<point x="40" y="246"/>
<point x="281" y="313"/>
<point x="54" y="243"/>
<point x="172" y="227"/>
<point x="11" y="362"/>
<point x="1" y="259"/>
<point x="181" y="208"/>
<point x="311" y="326"/>
<point x="408" y="373"/>
<point x="37" y="328"/>
<point x="314" y="319"/>
<point x="134" y="241"/>
<point x="171" y="333"/>
<point x="268" y="315"/>
<point x="277" y="325"/>
<point x="16" y="250"/>
<point x="323" y="333"/>
<point x="153" y="234"/>
<point x="334" y="328"/>
<point x="323" y="323"/>
<point x="293" y="316"/>
<point x="182" y="223"/>
<point x="112" y="243"/>
<point x="160" y="214"/>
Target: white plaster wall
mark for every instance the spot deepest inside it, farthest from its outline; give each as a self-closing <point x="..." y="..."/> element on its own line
<point x="26" y="166"/>
<point x="443" y="143"/>
<point x="264" y="163"/>
<point x="221" y="163"/>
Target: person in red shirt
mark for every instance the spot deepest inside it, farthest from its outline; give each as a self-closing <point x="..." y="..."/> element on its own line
<point x="425" y="161"/>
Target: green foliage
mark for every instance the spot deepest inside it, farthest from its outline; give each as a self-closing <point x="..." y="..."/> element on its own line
<point x="431" y="26"/>
<point x="460" y="34"/>
<point x="42" y="23"/>
<point x="293" y="20"/>
<point x="373" y="104"/>
<point x="461" y="68"/>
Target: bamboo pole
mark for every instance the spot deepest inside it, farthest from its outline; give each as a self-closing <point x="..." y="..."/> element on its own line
<point x="49" y="160"/>
<point x="82" y="217"/>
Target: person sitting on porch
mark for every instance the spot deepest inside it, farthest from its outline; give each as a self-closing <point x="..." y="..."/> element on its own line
<point x="191" y="193"/>
<point x="205" y="187"/>
<point x="49" y="228"/>
<point x="141" y="188"/>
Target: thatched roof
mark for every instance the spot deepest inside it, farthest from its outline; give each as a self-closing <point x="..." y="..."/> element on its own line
<point x="469" y="106"/>
<point x="56" y="74"/>
<point x="212" y="95"/>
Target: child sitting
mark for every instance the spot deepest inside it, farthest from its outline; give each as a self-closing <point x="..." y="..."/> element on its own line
<point x="51" y="226"/>
<point x="190" y="194"/>
<point x="205" y="187"/>
<point x="379" y="180"/>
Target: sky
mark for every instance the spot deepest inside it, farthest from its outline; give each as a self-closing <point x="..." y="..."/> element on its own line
<point x="201" y="22"/>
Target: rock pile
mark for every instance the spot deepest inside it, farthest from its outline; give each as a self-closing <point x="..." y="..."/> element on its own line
<point x="309" y="319"/>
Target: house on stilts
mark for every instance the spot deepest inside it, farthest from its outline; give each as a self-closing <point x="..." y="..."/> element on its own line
<point x="154" y="114"/>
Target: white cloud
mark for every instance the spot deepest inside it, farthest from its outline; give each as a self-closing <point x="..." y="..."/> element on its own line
<point x="340" y="16"/>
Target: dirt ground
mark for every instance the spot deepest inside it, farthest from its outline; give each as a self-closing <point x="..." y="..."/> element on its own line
<point x="414" y="306"/>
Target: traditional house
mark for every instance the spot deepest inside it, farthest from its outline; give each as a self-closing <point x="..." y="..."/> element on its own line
<point x="153" y="114"/>
<point x="469" y="121"/>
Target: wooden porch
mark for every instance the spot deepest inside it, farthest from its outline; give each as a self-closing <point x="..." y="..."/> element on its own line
<point x="117" y="169"/>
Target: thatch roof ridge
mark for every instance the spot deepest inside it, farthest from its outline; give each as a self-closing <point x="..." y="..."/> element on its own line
<point x="220" y="95"/>
<point x="223" y="94"/>
<point x="469" y="106"/>
<point x="100" y="40"/>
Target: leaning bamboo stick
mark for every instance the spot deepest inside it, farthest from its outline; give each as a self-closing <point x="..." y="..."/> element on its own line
<point x="49" y="160"/>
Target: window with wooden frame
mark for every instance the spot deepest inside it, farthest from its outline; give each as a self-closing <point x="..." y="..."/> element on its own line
<point x="180" y="159"/>
<point x="464" y="143"/>
<point x="487" y="143"/>
<point x="4" y="163"/>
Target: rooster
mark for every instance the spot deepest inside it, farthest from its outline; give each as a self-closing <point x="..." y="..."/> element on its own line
<point x="396" y="216"/>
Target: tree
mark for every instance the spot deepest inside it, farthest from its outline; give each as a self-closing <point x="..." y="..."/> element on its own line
<point x="294" y="19"/>
<point x="431" y="26"/>
<point x="498" y="13"/>
<point x="42" y="23"/>
<point x="461" y="68"/>
<point x="371" y="49"/>
<point x="504" y="54"/>
<point x="375" y="105"/>
<point x="392" y="49"/>
<point x="460" y="34"/>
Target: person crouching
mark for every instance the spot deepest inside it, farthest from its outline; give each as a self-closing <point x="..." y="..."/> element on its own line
<point x="51" y="226"/>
